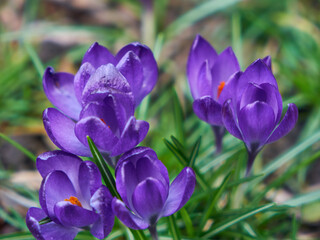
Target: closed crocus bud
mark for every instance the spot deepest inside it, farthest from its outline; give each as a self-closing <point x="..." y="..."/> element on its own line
<point x="208" y="72"/>
<point x="253" y="108"/>
<point x="71" y="197"/>
<point x="143" y="184"/>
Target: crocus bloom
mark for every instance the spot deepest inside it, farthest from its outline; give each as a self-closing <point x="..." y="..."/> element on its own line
<point x="208" y="72"/>
<point x="143" y="184"/>
<point x="253" y="108"/>
<point x="100" y="99"/>
<point x="71" y="197"/>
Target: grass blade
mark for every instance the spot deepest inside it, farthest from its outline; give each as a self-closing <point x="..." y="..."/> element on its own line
<point x="212" y="206"/>
<point x="19" y="147"/>
<point x="173" y="228"/>
<point x="194" y="152"/>
<point x="104" y="169"/>
<point x="196" y="14"/>
<point x="231" y="222"/>
<point x="188" y="222"/>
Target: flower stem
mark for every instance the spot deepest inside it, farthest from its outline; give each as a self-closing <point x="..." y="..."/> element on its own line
<point x="218" y="132"/>
<point x="153" y="232"/>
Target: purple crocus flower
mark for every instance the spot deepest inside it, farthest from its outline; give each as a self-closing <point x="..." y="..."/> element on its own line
<point x="143" y="184"/>
<point x="100" y="99"/>
<point x="71" y="197"/>
<point x="253" y="108"/>
<point x="208" y="72"/>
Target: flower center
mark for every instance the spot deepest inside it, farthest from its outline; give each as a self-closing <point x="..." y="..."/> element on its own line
<point x="74" y="200"/>
<point x="220" y="88"/>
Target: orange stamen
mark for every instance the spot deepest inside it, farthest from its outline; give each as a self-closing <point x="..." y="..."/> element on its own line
<point x="74" y="201"/>
<point x="220" y="88"/>
<point x="104" y="122"/>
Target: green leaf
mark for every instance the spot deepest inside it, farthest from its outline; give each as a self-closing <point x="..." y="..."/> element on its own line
<point x="188" y="222"/>
<point x="178" y="117"/>
<point x="35" y="59"/>
<point x="244" y="180"/>
<point x="194" y="152"/>
<point x="173" y="228"/>
<point x="213" y="201"/>
<point x="286" y="175"/>
<point x="184" y="163"/>
<point x="17" y="236"/>
<point x="294" y="228"/>
<point x="104" y="169"/>
<point x="229" y="223"/>
<point x="303" y="199"/>
<point x="178" y="145"/>
<point x="19" y="147"/>
<point x="286" y="157"/>
<point x="196" y="14"/>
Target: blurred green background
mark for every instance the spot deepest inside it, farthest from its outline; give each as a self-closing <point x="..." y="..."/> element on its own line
<point x="35" y="34"/>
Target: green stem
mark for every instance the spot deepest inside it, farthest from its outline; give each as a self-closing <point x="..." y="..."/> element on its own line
<point x="153" y="232"/>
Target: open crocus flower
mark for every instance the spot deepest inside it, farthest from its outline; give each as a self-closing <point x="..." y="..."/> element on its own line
<point x="72" y="197"/>
<point x="253" y="108"/>
<point x="135" y="63"/>
<point x="143" y="184"/>
<point x="107" y="115"/>
<point x="208" y="72"/>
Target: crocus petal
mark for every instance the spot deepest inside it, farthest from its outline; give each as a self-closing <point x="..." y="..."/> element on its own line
<point x="81" y="79"/>
<point x="229" y="120"/>
<point x="59" y="89"/>
<point x="131" y="68"/>
<point x="287" y="123"/>
<point x="150" y="68"/>
<point x="258" y="72"/>
<point x="60" y="129"/>
<point x="230" y="90"/>
<point x="148" y="199"/>
<point x="74" y="216"/>
<point x="59" y="160"/>
<point x="89" y="180"/>
<point x="98" y="131"/>
<point x="105" y="77"/>
<point x="140" y="152"/>
<point x="127" y="217"/>
<point x="134" y="132"/>
<point x="180" y="191"/>
<point x="267" y="61"/>
<point x="204" y="83"/>
<point x="126" y="182"/>
<point x="256" y="122"/>
<point x="114" y="108"/>
<point x="49" y="230"/>
<point x="208" y="110"/>
<point x="55" y="188"/>
<point x="224" y="67"/>
<point x="98" y="55"/>
<point x="101" y="202"/>
<point x="145" y="168"/>
<point x="200" y="51"/>
<point x="105" y="112"/>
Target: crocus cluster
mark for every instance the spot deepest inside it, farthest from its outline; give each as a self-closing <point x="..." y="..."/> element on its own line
<point x="248" y="104"/>
<point x="99" y="101"/>
<point x="71" y="197"/>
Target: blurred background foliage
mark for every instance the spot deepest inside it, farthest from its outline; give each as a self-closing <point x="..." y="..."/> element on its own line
<point x="35" y="34"/>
